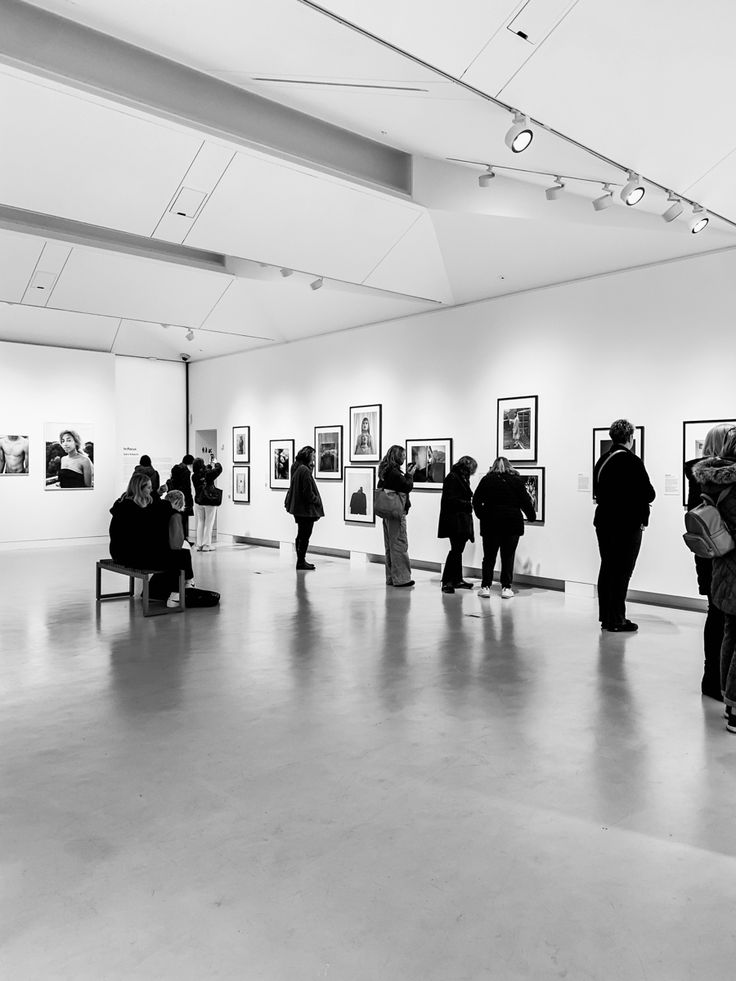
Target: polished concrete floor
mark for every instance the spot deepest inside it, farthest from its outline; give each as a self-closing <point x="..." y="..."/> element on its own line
<point x="328" y="779"/>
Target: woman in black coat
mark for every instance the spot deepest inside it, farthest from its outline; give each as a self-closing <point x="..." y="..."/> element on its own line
<point x="456" y="521"/>
<point x="303" y="500"/>
<point x="498" y="502"/>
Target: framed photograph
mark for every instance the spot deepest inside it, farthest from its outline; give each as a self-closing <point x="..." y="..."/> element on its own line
<point x="70" y="456"/>
<point x="693" y="438"/>
<point x="328" y="452"/>
<point x="365" y="433"/>
<point x="516" y="421"/>
<point x="14" y="456"/>
<point x="360" y="484"/>
<point x="602" y="443"/>
<point x="533" y="478"/>
<point x="280" y="459"/>
<point x="241" y="444"/>
<point x="433" y="459"/>
<point x="241" y="485"/>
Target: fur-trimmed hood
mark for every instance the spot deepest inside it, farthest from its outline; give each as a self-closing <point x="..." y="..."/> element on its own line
<point x="714" y="470"/>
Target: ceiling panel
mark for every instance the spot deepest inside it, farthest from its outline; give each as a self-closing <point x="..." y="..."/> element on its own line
<point x="285" y="216"/>
<point x="414" y="265"/>
<point x="151" y="340"/>
<point x="56" y="328"/>
<point x="139" y="289"/>
<point x="18" y="257"/>
<point x="69" y="156"/>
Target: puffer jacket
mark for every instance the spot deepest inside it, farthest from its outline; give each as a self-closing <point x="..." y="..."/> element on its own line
<point x="715" y="475"/>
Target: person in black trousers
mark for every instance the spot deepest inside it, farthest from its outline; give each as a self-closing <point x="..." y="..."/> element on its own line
<point x="303" y="500"/>
<point x="181" y="480"/>
<point x="499" y="500"/>
<point x="456" y="521"/>
<point x="623" y="493"/>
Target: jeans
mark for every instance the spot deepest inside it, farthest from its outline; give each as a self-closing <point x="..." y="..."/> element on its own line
<point x="398" y="570"/>
<point x="304" y="527"/>
<point x="205" y="514"/>
<point x="619" y="548"/>
<point x="453" y="570"/>
<point x="507" y="543"/>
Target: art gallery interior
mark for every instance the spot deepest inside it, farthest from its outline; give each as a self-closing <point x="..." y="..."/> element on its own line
<point x="228" y="215"/>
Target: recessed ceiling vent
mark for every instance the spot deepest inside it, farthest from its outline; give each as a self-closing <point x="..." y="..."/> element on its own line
<point x="188" y="202"/>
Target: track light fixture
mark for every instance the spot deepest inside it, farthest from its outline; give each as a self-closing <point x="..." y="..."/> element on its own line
<point x="553" y="192"/>
<point x="520" y="135"/>
<point x="317" y="284"/>
<point x="189" y="335"/>
<point x="605" y="200"/>
<point x="675" y="209"/>
<point x="633" y="191"/>
<point x="286" y="272"/>
<point x="485" y="179"/>
<point x="700" y="219"/>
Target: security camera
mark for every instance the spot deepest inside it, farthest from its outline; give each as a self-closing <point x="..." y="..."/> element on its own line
<point x="185" y="357"/>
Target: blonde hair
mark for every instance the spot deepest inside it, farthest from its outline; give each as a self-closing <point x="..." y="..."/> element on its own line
<point x="501" y="465"/>
<point x="176" y="500"/>
<point x="135" y="488"/>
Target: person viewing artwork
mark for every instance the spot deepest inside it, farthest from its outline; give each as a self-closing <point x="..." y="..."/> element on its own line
<point x="456" y="521"/>
<point x="68" y="466"/>
<point x="304" y="502"/>
<point x="13" y="454"/>
<point x="395" y="539"/>
<point x="181" y="480"/>
<point x="207" y="498"/>
<point x="499" y="501"/>
<point x="145" y="466"/>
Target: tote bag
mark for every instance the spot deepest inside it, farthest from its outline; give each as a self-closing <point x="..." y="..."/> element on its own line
<point x="388" y="503"/>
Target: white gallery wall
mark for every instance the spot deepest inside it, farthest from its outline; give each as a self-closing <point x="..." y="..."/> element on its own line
<point x="116" y="400"/>
<point x="620" y="345"/>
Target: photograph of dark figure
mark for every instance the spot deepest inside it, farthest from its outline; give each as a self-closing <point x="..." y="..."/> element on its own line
<point x="328" y="459"/>
<point x="13" y="454"/>
<point x="358" y="502"/>
<point x="281" y="465"/>
<point x="358" y="495"/>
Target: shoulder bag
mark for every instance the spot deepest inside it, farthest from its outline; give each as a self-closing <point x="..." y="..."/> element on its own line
<point x="389" y="503"/>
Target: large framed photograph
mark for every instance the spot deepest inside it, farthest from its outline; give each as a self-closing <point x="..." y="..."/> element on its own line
<point x="533" y="478"/>
<point x="241" y="485"/>
<point x="359" y="487"/>
<point x="280" y="459"/>
<point x="328" y="452"/>
<point x="241" y="444"/>
<point x="516" y="423"/>
<point x="432" y="458"/>
<point x="693" y="438"/>
<point x="70" y="456"/>
<point x="14" y="459"/>
<point x="602" y="443"/>
<point x="365" y="433"/>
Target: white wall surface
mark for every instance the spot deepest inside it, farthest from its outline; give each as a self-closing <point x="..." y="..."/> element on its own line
<point x="592" y="351"/>
<point x="139" y="401"/>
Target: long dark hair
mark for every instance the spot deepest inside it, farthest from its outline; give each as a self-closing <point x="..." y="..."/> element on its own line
<point x="304" y="456"/>
<point x="394" y="457"/>
<point x="466" y="465"/>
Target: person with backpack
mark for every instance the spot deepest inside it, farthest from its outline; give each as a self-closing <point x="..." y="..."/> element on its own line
<point x="716" y="474"/>
<point x="710" y="685"/>
<point x="623" y="493"/>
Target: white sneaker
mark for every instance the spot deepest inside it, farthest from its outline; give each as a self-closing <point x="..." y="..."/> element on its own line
<point x="173" y="600"/>
<point x="484" y="591"/>
<point x="507" y="593"/>
<point x="190" y="583"/>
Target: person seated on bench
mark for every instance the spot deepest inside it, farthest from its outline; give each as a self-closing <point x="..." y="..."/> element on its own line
<point x="177" y="539"/>
<point x="139" y="535"/>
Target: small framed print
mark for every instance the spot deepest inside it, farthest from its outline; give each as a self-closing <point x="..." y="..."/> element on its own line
<point x="241" y="485"/>
<point x="365" y="433"/>
<point x="516" y="423"/>
<point x="693" y="439"/>
<point x="328" y="452"/>
<point x="14" y="459"/>
<point x="533" y="478"/>
<point x="280" y="459"/>
<point x="432" y="459"/>
<point x="602" y="443"/>
<point x="241" y="444"/>
<point x="359" y="487"/>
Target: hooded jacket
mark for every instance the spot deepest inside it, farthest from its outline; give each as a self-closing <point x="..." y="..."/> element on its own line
<point x="498" y="502"/>
<point x="714" y="476"/>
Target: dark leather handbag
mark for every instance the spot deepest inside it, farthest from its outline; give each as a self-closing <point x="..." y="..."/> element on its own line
<point x="389" y="503"/>
<point x="212" y="495"/>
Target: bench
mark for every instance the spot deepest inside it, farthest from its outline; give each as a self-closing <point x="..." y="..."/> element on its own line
<point x="143" y="574"/>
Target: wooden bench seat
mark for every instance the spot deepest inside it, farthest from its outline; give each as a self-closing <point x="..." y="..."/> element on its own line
<point x="144" y="575"/>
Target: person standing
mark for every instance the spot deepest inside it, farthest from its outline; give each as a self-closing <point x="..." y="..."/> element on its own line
<point x="716" y="474"/>
<point x="181" y="480"/>
<point x="396" y="542"/>
<point x="456" y="521"/>
<point x="304" y="502"/>
<point x="498" y="502"/>
<point x="623" y="493"/>
<point x="145" y="466"/>
<point x="207" y="498"/>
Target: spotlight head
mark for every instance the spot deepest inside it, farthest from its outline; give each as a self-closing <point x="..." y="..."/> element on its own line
<point x="189" y="335"/>
<point x="520" y="135"/>
<point x="633" y="191"/>
<point x="553" y="192"/>
<point x="317" y="284"/>
<point x="605" y="200"/>
<point x="286" y="272"/>
<point x="675" y="209"/>
<point x="699" y="221"/>
<point x="485" y="179"/>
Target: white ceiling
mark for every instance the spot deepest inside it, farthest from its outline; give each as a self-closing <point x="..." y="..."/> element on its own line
<point x="654" y="98"/>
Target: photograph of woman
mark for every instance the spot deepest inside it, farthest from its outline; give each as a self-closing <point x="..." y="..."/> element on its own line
<point x="68" y="461"/>
<point x="365" y="433"/>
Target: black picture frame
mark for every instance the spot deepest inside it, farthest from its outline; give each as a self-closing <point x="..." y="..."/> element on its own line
<point x="517" y="419"/>
<point x="241" y="444"/>
<point x="538" y="491"/>
<point x="358" y="492"/>
<point x="359" y="433"/>
<point x="328" y="452"/>
<point x="433" y="458"/>
<point x="241" y="484"/>
<point x="279" y="467"/>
